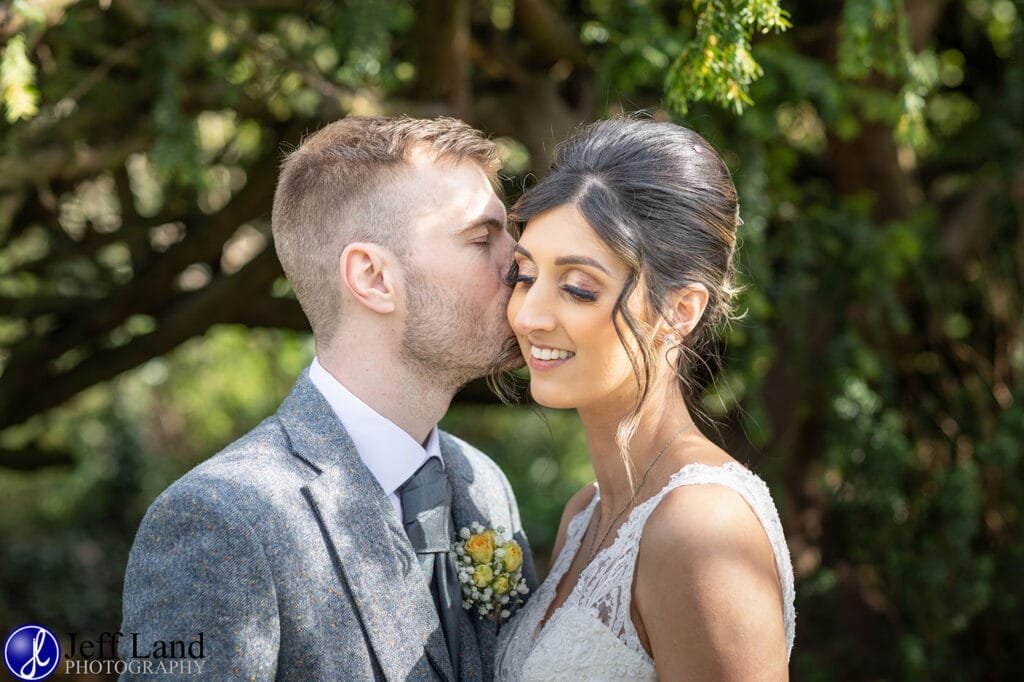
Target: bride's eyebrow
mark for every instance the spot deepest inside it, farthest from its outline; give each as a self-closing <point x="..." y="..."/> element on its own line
<point x="568" y="260"/>
<point x="582" y="260"/>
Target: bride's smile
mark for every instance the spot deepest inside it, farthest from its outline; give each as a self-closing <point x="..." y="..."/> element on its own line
<point x="566" y="283"/>
<point x="621" y="278"/>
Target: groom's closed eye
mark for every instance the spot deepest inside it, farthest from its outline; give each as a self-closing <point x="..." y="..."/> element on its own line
<point x="482" y="233"/>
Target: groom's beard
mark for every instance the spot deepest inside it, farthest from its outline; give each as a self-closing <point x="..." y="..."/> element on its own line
<point x="503" y="384"/>
<point x="448" y="343"/>
<point x="510" y="358"/>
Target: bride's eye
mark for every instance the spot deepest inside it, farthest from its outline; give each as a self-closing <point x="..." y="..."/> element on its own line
<point x="579" y="294"/>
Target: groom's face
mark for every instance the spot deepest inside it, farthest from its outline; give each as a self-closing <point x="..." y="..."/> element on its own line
<point x="460" y="250"/>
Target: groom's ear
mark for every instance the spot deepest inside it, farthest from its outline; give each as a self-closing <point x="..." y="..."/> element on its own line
<point x="367" y="272"/>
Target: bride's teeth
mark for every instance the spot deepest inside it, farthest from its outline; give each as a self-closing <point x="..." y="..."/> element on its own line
<point x="550" y="353"/>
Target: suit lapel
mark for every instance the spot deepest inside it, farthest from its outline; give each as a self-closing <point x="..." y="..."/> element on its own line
<point x="369" y="547"/>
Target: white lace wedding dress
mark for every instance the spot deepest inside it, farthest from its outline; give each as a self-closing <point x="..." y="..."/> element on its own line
<point x="591" y="636"/>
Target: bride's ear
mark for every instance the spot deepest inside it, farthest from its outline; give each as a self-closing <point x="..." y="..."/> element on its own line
<point x="685" y="308"/>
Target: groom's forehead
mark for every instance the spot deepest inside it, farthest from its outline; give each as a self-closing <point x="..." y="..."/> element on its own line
<point x="460" y="193"/>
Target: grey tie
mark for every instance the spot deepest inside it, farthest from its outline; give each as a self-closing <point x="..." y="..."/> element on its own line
<point x="427" y="517"/>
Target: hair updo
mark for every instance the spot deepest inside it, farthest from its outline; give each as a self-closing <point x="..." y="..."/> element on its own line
<point x="662" y="199"/>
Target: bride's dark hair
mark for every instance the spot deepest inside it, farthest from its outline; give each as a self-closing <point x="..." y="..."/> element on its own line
<point x="662" y="199"/>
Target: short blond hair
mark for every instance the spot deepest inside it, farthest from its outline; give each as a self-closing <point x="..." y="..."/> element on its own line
<point x="333" y="190"/>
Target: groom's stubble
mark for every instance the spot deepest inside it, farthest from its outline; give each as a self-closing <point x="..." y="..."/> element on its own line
<point x="450" y="343"/>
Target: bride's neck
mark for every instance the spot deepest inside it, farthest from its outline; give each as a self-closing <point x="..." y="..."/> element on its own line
<point x="664" y="422"/>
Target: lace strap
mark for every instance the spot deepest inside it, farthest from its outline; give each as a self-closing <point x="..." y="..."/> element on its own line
<point x="610" y="580"/>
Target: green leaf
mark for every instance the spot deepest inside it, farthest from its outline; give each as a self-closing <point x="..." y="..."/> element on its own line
<point x="717" y="65"/>
<point x="18" y="92"/>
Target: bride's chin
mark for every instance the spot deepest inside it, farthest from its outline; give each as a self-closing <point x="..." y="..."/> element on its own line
<point x="552" y="399"/>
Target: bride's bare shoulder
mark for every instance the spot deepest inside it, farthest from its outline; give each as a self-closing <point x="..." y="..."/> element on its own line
<point x="579" y="501"/>
<point x="706" y="578"/>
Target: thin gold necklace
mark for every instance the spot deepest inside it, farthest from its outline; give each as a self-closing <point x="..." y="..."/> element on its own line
<point x="643" y="479"/>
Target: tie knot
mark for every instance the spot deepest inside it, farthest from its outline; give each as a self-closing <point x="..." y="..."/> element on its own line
<point x="426" y="508"/>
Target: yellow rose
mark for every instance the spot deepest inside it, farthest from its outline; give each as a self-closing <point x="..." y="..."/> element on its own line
<point x="513" y="556"/>
<point x="483" y="575"/>
<point x="480" y="548"/>
<point x="500" y="584"/>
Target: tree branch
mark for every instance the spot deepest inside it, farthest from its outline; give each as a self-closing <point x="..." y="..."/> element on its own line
<point x="191" y="316"/>
<point x="309" y="73"/>
<point x="37" y="306"/>
<point x="33" y="458"/>
<point x="151" y="290"/>
<point x="60" y="162"/>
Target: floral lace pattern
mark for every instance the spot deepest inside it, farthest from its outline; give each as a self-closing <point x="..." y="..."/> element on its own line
<point x="591" y="636"/>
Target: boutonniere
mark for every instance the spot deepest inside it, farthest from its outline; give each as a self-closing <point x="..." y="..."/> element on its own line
<point x="490" y="571"/>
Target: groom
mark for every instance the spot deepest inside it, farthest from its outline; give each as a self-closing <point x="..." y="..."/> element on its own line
<point x="315" y="547"/>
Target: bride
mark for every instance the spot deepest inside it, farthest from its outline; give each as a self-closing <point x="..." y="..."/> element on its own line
<point x="673" y="564"/>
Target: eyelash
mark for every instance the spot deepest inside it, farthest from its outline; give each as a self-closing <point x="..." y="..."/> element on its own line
<point x="580" y="295"/>
<point x="513" y="278"/>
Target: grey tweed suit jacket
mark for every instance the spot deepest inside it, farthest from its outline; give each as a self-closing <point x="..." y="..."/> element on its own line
<point x="284" y="552"/>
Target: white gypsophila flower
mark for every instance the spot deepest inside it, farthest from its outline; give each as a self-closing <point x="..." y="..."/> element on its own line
<point x="504" y="599"/>
<point x="464" y="533"/>
<point x="500" y="552"/>
<point x="460" y="550"/>
<point x="477" y="528"/>
<point x="521" y="588"/>
<point x="467" y="560"/>
<point x="466" y="604"/>
<point x="505" y="613"/>
<point x="483" y="610"/>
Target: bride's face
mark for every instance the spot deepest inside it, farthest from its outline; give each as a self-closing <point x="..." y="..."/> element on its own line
<point x="561" y="312"/>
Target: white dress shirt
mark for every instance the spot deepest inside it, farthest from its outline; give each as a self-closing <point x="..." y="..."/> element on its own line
<point x="391" y="454"/>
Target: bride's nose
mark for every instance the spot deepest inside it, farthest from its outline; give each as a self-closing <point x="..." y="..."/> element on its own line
<point x="530" y="311"/>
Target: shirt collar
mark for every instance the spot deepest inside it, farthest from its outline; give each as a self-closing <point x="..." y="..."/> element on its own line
<point x="390" y="453"/>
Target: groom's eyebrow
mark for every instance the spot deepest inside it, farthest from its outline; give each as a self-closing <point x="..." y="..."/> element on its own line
<point x="490" y="222"/>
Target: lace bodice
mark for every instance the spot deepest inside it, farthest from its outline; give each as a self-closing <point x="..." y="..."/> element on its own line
<point x="591" y="636"/>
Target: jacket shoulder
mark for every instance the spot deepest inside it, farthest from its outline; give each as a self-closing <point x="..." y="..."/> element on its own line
<point x="243" y="472"/>
<point x="475" y="459"/>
